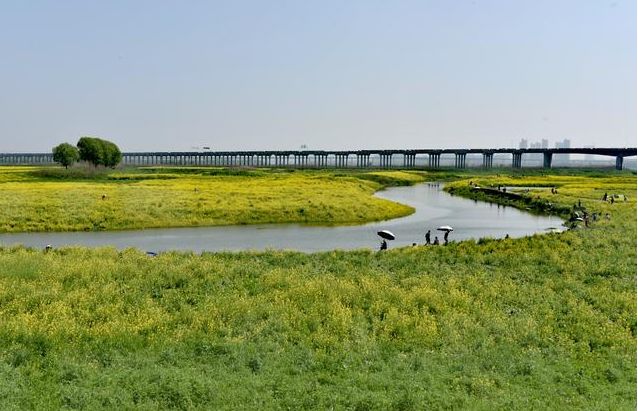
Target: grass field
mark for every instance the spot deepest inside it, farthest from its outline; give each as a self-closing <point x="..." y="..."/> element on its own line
<point x="51" y="199"/>
<point x="544" y="322"/>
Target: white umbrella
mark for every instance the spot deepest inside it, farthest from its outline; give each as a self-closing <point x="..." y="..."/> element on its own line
<point x="386" y="234"/>
<point x="445" y="228"/>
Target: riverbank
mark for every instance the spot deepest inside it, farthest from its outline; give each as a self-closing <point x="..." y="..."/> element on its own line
<point x="51" y="199"/>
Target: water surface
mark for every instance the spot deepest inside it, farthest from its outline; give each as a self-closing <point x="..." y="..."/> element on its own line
<point x="434" y="208"/>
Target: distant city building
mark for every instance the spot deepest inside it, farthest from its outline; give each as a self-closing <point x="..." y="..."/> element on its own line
<point x="562" y="159"/>
<point x="566" y="143"/>
<point x="536" y="159"/>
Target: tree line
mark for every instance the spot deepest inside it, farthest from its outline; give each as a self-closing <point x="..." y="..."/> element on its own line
<point x="90" y="149"/>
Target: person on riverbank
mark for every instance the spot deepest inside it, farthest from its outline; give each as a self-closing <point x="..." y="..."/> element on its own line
<point x="384" y="245"/>
<point x="427" y="238"/>
<point x="436" y="240"/>
<point x="445" y="237"/>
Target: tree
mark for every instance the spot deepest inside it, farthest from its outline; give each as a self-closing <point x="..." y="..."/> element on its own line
<point x="112" y="155"/>
<point x="89" y="150"/>
<point x="99" y="152"/>
<point x="65" y="154"/>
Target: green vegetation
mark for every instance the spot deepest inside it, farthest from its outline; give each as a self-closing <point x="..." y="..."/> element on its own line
<point x="50" y="199"/>
<point x="66" y="154"/>
<point x="544" y="322"/>
<point x="99" y="152"/>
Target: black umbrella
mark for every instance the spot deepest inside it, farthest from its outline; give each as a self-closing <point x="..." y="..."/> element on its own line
<point x="445" y="228"/>
<point x="386" y="234"/>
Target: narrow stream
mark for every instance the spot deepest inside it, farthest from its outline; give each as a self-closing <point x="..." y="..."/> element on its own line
<point x="434" y="208"/>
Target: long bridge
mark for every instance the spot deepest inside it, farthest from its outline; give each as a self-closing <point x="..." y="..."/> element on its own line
<point x="429" y="158"/>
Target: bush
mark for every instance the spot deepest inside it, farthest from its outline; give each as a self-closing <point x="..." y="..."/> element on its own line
<point x="65" y="154"/>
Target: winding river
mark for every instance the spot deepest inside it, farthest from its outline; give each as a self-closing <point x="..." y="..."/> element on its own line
<point x="434" y="208"/>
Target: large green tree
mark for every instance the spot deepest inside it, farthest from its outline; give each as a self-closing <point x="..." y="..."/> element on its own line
<point x="65" y="154"/>
<point x="99" y="152"/>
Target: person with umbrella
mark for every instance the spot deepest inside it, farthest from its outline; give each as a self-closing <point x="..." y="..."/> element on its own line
<point x="447" y="230"/>
<point x="385" y="235"/>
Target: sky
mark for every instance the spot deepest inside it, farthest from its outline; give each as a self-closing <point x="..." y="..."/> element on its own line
<point x="331" y="75"/>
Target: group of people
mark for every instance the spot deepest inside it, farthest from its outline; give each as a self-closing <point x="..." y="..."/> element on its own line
<point x="428" y="240"/>
<point x="436" y="239"/>
<point x="610" y="198"/>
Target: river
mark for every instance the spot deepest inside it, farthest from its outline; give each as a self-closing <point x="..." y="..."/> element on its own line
<point x="434" y="208"/>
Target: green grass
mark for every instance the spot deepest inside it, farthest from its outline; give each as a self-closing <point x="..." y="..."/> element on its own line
<point x="543" y="322"/>
<point x="52" y="199"/>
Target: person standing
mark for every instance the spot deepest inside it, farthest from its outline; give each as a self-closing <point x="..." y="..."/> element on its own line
<point x="445" y="236"/>
<point x="427" y="238"/>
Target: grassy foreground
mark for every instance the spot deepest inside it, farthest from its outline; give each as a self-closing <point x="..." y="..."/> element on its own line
<point x="545" y="322"/>
<point x="51" y="199"/>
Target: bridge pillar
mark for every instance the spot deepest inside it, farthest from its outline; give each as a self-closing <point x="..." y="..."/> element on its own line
<point x="343" y="160"/>
<point x="409" y="160"/>
<point x="547" y="160"/>
<point x="363" y="160"/>
<point x="619" y="161"/>
<point x="488" y="159"/>
<point x="459" y="160"/>
<point x="517" y="160"/>
<point x="434" y="160"/>
<point x="385" y="160"/>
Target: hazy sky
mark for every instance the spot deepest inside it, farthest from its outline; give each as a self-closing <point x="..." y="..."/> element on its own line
<point x="174" y="75"/>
